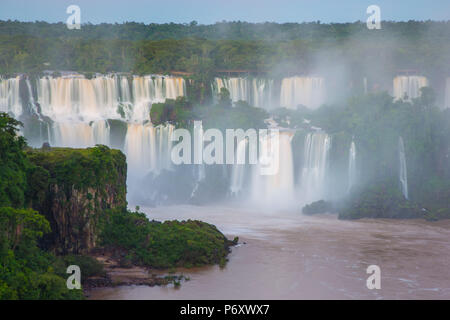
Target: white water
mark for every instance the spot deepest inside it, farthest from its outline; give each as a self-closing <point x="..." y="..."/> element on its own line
<point x="79" y="109"/>
<point x="257" y="92"/>
<point x="9" y="97"/>
<point x="315" y="165"/>
<point x="305" y="91"/>
<point x="409" y="86"/>
<point x="274" y="190"/>
<point x="447" y="93"/>
<point x="403" y="175"/>
<point x="351" y="166"/>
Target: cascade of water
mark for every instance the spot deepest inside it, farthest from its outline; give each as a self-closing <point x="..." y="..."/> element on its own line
<point x="315" y="164"/>
<point x="79" y="109"/>
<point x="306" y="91"/>
<point x="275" y="189"/>
<point x="239" y="169"/>
<point x="79" y="134"/>
<point x="409" y="86"/>
<point x="10" y="97"/>
<point x="351" y="166"/>
<point x="148" y="148"/>
<point x="257" y="92"/>
<point x="403" y="175"/>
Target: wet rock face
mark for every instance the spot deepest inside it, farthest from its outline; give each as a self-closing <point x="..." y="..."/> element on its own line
<point x="81" y="184"/>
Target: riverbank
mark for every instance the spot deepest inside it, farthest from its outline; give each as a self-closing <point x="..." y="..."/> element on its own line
<point x="290" y="256"/>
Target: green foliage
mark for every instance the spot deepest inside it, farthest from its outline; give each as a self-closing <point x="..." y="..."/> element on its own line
<point x="80" y="168"/>
<point x="26" y="272"/>
<point x="203" y="49"/>
<point x="380" y="200"/>
<point x="318" y="207"/>
<point x="13" y="163"/>
<point x="163" y="245"/>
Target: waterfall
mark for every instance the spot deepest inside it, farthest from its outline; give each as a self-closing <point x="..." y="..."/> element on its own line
<point x="199" y="173"/>
<point x="79" y="134"/>
<point x="275" y="190"/>
<point x="76" y="112"/>
<point x="447" y="93"/>
<point x="351" y="166"/>
<point x="239" y="169"/>
<point x="10" y="97"/>
<point x="315" y="164"/>
<point x="306" y="91"/>
<point x="403" y="176"/>
<point x="153" y="89"/>
<point x="148" y="148"/>
<point x="409" y="86"/>
<point x="257" y="92"/>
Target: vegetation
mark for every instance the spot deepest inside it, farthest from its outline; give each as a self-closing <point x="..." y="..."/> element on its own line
<point x="380" y="200"/>
<point x="204" y="49"/>
<point x="27" y="272"/>
<point x="13" y="163"/>
<point x="376" y="122"/>
<point x="163" y="245"/>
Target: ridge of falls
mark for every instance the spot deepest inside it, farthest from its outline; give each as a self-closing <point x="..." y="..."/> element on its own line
<point x="351" y="166"/>
<point x="305" y="91"/>
<point x="403" y="175"/>
<point x="409" y="86"/>
<point x="315" y="165"/>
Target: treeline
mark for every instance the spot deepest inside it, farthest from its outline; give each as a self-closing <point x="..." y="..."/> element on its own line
<point x="234" y="30"/>
<point x="199" y="49"/>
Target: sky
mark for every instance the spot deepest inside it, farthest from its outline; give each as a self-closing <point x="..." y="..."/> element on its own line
<point x="211" y="11"/>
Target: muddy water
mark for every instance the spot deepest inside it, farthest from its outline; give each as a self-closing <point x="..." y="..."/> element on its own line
<point x="289" y="256"/>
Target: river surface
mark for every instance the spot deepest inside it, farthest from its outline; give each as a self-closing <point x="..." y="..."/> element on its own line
<point x="284" y="255"/>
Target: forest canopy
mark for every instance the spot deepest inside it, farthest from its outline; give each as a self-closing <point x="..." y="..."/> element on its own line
<point x="264" y="47"/>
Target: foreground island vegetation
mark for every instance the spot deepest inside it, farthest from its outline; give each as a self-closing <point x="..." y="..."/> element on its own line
<point x="57" y="205"/>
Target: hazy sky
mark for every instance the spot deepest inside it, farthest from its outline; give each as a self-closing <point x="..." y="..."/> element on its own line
<point x="210" y="11"/>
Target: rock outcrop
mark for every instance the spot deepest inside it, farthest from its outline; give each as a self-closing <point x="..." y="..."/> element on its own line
<point x="72" y="188"/>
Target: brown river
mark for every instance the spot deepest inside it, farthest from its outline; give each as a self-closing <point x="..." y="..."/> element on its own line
<point x="290" y="256"/>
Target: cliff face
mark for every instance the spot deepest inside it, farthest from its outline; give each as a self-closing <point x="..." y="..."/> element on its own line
<point x="72" y="188"/>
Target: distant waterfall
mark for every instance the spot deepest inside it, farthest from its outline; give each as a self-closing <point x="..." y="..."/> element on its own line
<point x="447" y="93"/>
<point x="257" y="92"/>
<point x="409" y="86"/>
<point x="148" y="148"/>
<point x="239" y="169"/>
<point x="275" y="189"/>
<point x="79" y="134"/>
<point x="10" y="97"/>
<point x="306" y="91"/>
<point x="315" y="164"/>
<point x="403" y="176"/>
<point x="76" y="112"/>
<point x="351" y="166"/>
